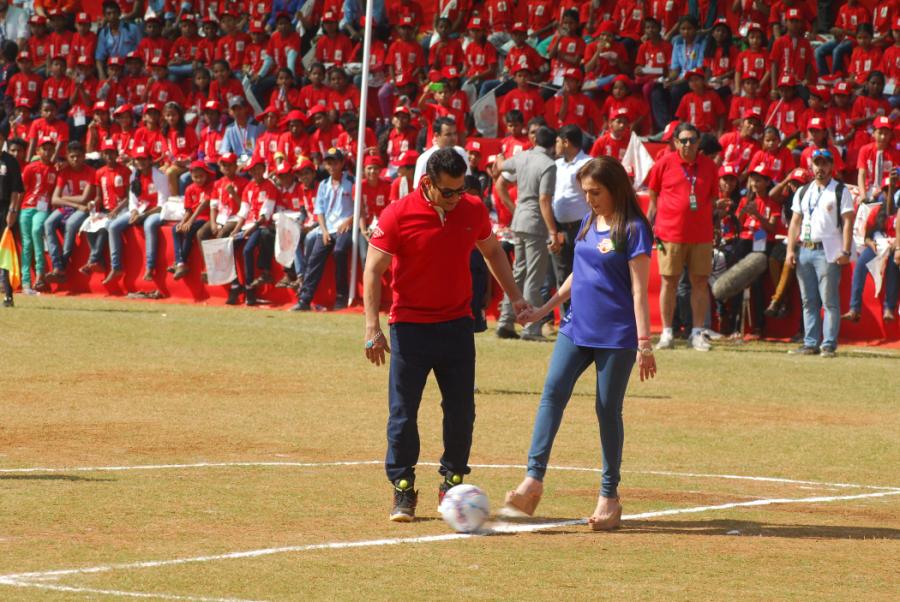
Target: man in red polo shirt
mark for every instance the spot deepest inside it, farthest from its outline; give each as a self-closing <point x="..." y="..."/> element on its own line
<point x="683" y="187"/>
<point x="426" y="239"/>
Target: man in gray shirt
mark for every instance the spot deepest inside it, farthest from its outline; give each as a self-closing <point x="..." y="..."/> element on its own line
<point x="534" y="173"/>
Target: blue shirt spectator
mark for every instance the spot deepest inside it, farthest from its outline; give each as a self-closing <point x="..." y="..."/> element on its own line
<point x="291" y="7"/>
<point x="687" y="56"/>
<point x="334" y="202"/>
<point x="116" y="38"/>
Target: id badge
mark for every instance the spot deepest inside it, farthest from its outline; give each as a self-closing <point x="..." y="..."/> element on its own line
<point x="43" y="204"/>
<point x="807" y="233"/>
<point x="693" y="200"/>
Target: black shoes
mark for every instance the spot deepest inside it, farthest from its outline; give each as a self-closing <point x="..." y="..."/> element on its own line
<point x="450" y="480"/>
<point x="8" y="302"/>
<point x="804" y="350"/>
<point x="302" y="306"/>
<point x="405" y="499"/>
<point x="506" y="333"/>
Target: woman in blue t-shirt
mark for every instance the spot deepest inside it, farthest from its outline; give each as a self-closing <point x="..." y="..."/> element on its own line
<point x="608" y="325"/>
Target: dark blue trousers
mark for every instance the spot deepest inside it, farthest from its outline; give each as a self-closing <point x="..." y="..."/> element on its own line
<point x="447" y="348"/>
<point x="315" y="266"/>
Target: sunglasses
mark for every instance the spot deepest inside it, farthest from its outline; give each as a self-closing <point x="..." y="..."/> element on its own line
<point x="688" y="141"/>
<point x="449" y="193"/>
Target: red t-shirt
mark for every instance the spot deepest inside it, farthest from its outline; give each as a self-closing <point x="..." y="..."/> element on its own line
<point x="739" y="104"/>
<point x="224" y="93"/>
<point x="165" y="91"/>
<point x="112" y="185"/>
<point x="256" y="198"/>
<point x="58" y="89"/>
<point x="182" y="145"/>
<point x="292" y="199"/>
<point x="751" y="60"/>
<point x="630" y="18"/>
<point x="654" y="55"/>
<point x="807" y="163"/>
<point x="231" y="48"/>
<point x="512" y="145"/>
<point x="279" y="46"/>
<point x="73" y="183"/>
<point x="529" y="102"/>
<point x="581" y="111"/>
<point x="38" y="180"/>
<point x="82" y="46"/>
<point x="480" y="58"/>
<point x="195" y="195"/>
<point x="57" y="129"/>
<point x="738" y="151"/>
<point x="154" y="47"/>
<point x="666" y="12"/>
<point x="226" y="205"/>
<point x="334" y="50"/>
<point x="294" y="148"/>
<point x="540" y="14"/>
<point x="25" y="86"/>
<point x="786" y="116"/>
<point x="432" y="280"/>
<point x="610" y="146"/>
<point x="868" y="158"/>
<point x="400" y="142"/>
<point x="791" y="56"/>
<point x="521" y="57"/>
<point x="779" y="163"/>
<point x="446" y="54"/>
<point x="703" y="109"/>
<point x="890" y="62"/>
<point x="768" y="208"/>
<point x="405" y="57"/>
<point x="862" y="62"/>
<point x="671" y="179"/>
<point x="311" y="96"/>
<point x="375" y="198"/>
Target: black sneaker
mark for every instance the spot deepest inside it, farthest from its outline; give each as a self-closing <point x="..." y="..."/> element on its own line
<point x="302" y="306"/>
<point x="405" y="498"/>
<point x="826" y="351"/>
<point x="234" y="296"/>
<point x="339" y="304"/>
<point x="450" y="480"/>
<point x="506" y="333"/>
<point x="804" y="350"/>
<point x="8" y="302"/>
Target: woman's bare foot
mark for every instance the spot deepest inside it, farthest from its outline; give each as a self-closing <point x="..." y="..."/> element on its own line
<point x="607" y="515"/>
<point x="524" y="499"/>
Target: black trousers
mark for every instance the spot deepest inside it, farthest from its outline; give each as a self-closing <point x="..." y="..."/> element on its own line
<point x="448" y="349"/>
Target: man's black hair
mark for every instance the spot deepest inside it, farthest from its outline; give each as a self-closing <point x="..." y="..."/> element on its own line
<point x="440" y="122"/>
<point x="571" y="134"/>
<point x="75" y="146"/>
<point x="445" y="161"/>
<point x="545" y="137"/>
<point x="514" y="116"/>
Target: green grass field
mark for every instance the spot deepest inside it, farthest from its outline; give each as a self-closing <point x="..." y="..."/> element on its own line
<point x="238" y="417"/>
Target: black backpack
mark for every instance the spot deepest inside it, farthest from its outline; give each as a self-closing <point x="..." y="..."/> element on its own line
<point x="838" y="194"/>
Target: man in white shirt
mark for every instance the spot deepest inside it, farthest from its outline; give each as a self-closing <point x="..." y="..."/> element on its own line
<point x="823" y="225"/>
<point x="569" y="204"/>
<point x="445" y="136"/>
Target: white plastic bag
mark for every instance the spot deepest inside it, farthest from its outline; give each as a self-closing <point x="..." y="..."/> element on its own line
<point x="218" y="254"/>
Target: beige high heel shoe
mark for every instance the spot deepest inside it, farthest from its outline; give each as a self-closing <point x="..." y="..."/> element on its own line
<point x="520" y="504"/>
<point x="607" y="522"/>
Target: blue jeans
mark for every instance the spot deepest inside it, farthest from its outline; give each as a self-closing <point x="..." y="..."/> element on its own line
<point x="184" y="242"/>
<point x="839" y="52"/>
<point x="567" y="363"/>
<point x="71" y="221"/>
<point x="891" y="278"/>
<point x="315" y="266"/>
<point x="264" y="239"/>
<point x="151" y="233"/>
<point x="447" y="348"/>
<point x="98" y="241"/>
<point x="819" y="285"/>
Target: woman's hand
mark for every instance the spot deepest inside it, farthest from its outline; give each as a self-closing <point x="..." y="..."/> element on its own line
<point x="646" y="363"/>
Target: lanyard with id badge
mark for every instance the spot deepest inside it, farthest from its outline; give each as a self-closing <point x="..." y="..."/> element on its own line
<point x="692" y="180"/>
<point x="807" y="227"/>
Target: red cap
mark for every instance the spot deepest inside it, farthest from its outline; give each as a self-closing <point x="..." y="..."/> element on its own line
<point x="37" y="20"/>
<point x="256" y="160"/>
<point x="188" y="18"/>
<point x="23" y="102"/>
<point x="202" y="165"/>
<point x="401" y="109"/>
<point x="799" y="174"/>
<point x="755" y="27"/>
<point x="606" y="27"/>
<point x="762" y="170"/>
<point x="574" y="73"/>
<point x="622" y="113"/>
<point x="886" y="181"/>
<point x="140" y="152"/>
<point x="101" y="105"/>
<point x="669" y="131"/>
<point x="295" y="115"/>
<point x="473" y="146"/>
<point x="24" y="56"/>
<point x="450" y="72"/>
<point x="316" y="110"/>
<point x="793" y="13"/>
<point x="841" y="88"/>
<point x="751" y="113"/>
<point x="125" y="108"/>
<point x="698" y="72"/>
<point x="228" y="158"/>
<point x="622" y="78"/>
<point x="728" y="169"/>
<point x="84" y="61"/>
<point x="475" y="23"/>
<point x="896" y="23"/>
<point x="284" y="169"/>
<point x="269" y="110"/>
<point x="46" y="140"/>
<point x="408" y="159"/>
<point x="329" y="16"/>
<point x="519" y="27"/>
<point x="787" y="80"/>
<point x="721" y="21"/>
<point x="815" y="123"/>
<point x="821" y="91"/>
<point x="304" y="163"/>
<point x="372" y="161"/>
<point x="82" y="18"/>
<point x="752" y="75"/>
<point x="212" y="105"/>
<point x="159" y="61"/>
<point x="115" y="61"/>
<point x="257" y="27"/>
<point x="108" y="144"/>
<point x="133" y="55"/>
<point x="522" y="65"/>
<point x="881" y="122"/>
<point x="229" y="13"/>
<point x="152" y="16"/>
<point x="407" y="21"/>
<point x="152" y="106"/>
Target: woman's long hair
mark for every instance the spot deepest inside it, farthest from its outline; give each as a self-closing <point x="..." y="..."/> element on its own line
<point x="627" y="214"/>
<point x="181" y="125"/>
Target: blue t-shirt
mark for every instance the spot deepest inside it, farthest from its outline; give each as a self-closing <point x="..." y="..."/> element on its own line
<point x="601" y="314"/>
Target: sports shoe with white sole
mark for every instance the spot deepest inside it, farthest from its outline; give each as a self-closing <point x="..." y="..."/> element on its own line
<point x="405" y="499"/>
<point x="666" y="342"/>
<point x="699" y="343"/>
<point x="450" y="480"/>
<point x="712" y="335"/>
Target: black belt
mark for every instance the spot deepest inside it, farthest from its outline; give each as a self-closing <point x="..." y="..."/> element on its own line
<point x="812" y="245"/>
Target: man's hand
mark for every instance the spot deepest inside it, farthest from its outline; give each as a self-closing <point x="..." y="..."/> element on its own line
<point x="134" y="218"/>
<point x="345" y="225"/>
<point x="843" y="259"/>
<point x="376" y="344"/>
<point x="326" y="239"/>
<point x="897" y="256"/>
<point x="555" y="244"/>
<point x="521" y="307"/>
<point x="790" y="258"/>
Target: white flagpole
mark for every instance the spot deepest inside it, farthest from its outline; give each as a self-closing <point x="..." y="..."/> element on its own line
<point x="360" y="148"/>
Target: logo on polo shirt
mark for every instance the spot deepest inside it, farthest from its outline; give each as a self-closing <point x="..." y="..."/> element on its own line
<point x="605" y="246"/>
<point x="377" y="232"/>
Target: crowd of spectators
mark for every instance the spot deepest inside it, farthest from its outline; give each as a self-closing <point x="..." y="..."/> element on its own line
<point x="248" y="109"/>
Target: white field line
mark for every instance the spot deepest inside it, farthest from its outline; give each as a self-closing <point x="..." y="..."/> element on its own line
<point x="30" y="577"/>
<point x="114" y="592"/>
<point x="56" y="470"/>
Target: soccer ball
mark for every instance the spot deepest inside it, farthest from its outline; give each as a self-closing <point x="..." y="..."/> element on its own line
<point x="465" y="508"/>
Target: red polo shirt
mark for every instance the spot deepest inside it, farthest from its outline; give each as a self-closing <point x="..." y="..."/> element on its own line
<point x="670" y="179"/>
<point x="432" y="280"/>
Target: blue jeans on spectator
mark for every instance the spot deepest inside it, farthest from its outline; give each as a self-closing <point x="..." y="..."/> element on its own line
<point x="839" y="52"/>
<point x="567" y="363"/>
<point x="151" y="233"/>
<point x="98" y="241"/>
<point x="184" y="242"/>
<point x="315" y="266"/>
<point x="69" y="220"/>
<point x="264" y="239"/>
<point x="819" y="286"/>
<point x="447" y="348"/>
<point x="891" y="281"/>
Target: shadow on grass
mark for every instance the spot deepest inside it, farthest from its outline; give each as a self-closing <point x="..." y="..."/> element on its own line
<point x="52" y="477"/>
<point x="741" y="528"/>
<point x="95" y="310"/>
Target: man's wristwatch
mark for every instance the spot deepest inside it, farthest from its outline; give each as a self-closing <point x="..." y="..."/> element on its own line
<point x="845" y="253"/>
